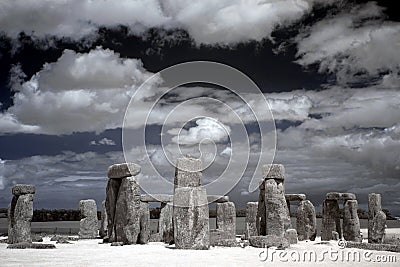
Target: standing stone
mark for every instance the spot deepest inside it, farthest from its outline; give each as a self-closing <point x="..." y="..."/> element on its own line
<point x="188" y="172"/>
<point x="291" y="236"/>
<point x="261" y="211"/>
<point x="351" y="222"/>
<point x="165" y="223"/>
<point x="88" y="226"/>
<point x="144" y="235"/>
<point x="190" y="211"/>
<point x="378" y="228"/>
<point x="374" y="208"/>
<point x="330" y="219"/>
<point x="226" y="219"/>
<point x="191" y="218"/>
<point x="306" y="221"/>
<point x="20" y="214"/>
<point x="276" y="209"/>
<point x="112" y="190"/>
<point x="104" y="221"/>
<point x="123" y="170"/>
<point x="127" y="212"/>
<point x="251" y="219"/>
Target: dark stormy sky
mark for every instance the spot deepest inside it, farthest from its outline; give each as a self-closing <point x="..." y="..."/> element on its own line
<point x="330" y="71"/>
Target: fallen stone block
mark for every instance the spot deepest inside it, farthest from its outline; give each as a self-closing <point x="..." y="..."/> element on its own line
<point x="25" y="245"/>
<point x="269" y="241"/>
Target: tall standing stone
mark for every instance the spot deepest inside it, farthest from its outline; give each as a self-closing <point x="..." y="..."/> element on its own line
<point x="20" y="213"/>
<point x="261" y="210"/>
<point x="226" y="219"/>
<point x="112" y="190"/>
<point x="88" y="226"/>
<point x="190" y="211"/>
<point x="275" y="204"/>
<point x="251" y="219"/>
<point x="330" y="219"/>
<point x="127" y="212"/>
<point x="376" y="226"/>
<point x="165" y="224"/>
<point x="104" y="221"/>
<point x="306" y="221"/>
<point x="351" y="222"/>
<point x="144" y="234"/>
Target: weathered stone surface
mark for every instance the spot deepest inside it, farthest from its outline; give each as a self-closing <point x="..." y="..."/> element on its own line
<point x="23" y="189"/>
<point x="306" y="221"/>
<point x="251" y="219"/>
<point x="277" y="214"/>
<point x="273" y="171"/>
<point x="25" y="245"/>
<point x="156" y="237"/>
<point x="335" y="236"/>
<point x="218" y="238"/>
<point x="144" y="235"/>
<point x="261" y="212"/>
<point x="291" y="236"/>
<point x="374" y="207"/>
<point x="226" y="219"/>
<point x="295" y="197"/>
<point x="378" y="228"/>
<point x="166" y="224"/>
<point x="163" y="198"/>
<point x="269" y="241"/>
<point x="104" y="221"/>
<point x="191" y="218"/>
<point x="351" y="222"/>
<point x="112" y="190"/>
<point x="188" y="172"/>
<point x="20" y="214"/>
<point x="36" y="238"/>
<point x="217" y="199"/>
<point x="88" y="226"/>
<point x="330" y="219"/>
<point x="127" y="213"/>
<point x="118" y="171"/>
<point x="340" y="196"/>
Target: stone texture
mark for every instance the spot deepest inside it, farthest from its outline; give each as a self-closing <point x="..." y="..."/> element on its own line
<point x="166" y="224"/>
<point x="306" y="221"/>
<point x="20" y="214"/>
<point x="144" y="235"/>
<point x="291" y="236"/>
<point x="23" y="189"/>
<point x="104" y="221"/>
<point x="127" y="212"/>
<point x="340" y="196"/>
<point x="351" y="222"/>
<point x="273" y="171"/>
<point x="188" y="172"/>
<point x="226" y="219"/>
<point x="378" y="228"/>
<point x="295" y="197"/>
<point x="330" y="219"/>
<point x="277" y="213"/>
<point x="269" y="241"/>
<point x="191" y="218"/>
<point x="118" y="171"/>
<point x="335" y="236"/>
<point x="88" y="226"/>
<point x="369" y="246"/>
<point x="112" y="190"/>
<point x="251" y="219"/>
<point x="25" y="245"/>
<point x="217" y="199"/>
<point x="218" y="238"/>
<point x="374" y="208"/>
<point x="163" y="198"/>
<point x="261" y="212"/>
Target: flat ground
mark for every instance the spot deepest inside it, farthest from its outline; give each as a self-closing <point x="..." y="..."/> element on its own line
<point x="93" y="253"/>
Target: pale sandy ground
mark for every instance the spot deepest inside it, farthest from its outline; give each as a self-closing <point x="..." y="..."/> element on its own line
<point x="91" y="253"/>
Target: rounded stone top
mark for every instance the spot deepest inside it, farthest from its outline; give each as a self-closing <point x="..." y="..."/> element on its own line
<point x="118" y="171"/>
<point x="23" y="189"/>
<point x="273" y="171"/>
<point x="340" y="196"/>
